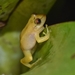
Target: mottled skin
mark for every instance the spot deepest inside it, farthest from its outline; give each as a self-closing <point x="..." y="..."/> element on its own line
<point x="30" y="35"/>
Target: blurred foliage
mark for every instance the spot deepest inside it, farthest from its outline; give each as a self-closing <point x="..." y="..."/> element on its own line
<point x="6" y="7"/>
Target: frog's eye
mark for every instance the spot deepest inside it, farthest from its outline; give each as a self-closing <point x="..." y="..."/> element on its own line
<point x="37" y="21"/>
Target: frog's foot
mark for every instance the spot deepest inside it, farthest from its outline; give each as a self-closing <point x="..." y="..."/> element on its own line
<point x="47" y="30"/>
<point x="30" y="65"/>
<point x="36" y="61"/>
<point x="47" y="34"/>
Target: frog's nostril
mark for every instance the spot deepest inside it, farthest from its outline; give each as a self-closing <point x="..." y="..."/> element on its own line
<point x="37" y="21"/>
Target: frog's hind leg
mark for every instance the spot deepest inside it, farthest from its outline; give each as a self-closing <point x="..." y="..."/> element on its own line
<point x="28" y="58"/>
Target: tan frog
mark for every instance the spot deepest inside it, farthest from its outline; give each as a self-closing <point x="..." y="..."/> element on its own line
<point x="30" y="35"/>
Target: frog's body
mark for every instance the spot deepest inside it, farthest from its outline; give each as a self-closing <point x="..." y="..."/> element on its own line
<point x="30" y="35"/>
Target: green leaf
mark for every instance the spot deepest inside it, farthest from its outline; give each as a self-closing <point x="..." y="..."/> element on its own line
<point x="58" y="53"/>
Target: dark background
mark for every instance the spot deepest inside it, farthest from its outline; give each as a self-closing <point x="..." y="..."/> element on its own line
<point x="62" y="11"/>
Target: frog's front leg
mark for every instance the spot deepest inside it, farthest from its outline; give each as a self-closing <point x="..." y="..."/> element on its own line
<point x="44" y="38"/>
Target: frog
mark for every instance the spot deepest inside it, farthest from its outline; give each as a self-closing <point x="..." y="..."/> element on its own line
<point x="30" y="35"/>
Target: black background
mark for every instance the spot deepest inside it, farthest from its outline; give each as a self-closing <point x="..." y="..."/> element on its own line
<point x="62" y="11"/>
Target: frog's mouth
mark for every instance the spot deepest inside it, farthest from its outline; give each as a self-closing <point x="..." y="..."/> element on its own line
<point x="45" y="23"/>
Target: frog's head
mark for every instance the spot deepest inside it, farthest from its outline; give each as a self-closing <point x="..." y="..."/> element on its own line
<point x="37" y="20"/>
